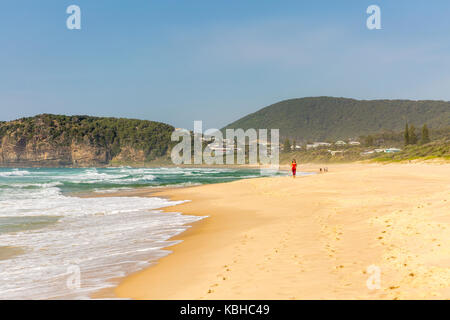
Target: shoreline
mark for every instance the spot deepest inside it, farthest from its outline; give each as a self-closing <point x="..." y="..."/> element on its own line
<point x="246" y="251"/>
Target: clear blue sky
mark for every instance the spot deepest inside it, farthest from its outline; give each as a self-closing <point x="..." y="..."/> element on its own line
<point x="215" y="60"/>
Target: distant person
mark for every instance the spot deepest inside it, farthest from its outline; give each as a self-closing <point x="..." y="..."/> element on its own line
<point x="294" y="167"/>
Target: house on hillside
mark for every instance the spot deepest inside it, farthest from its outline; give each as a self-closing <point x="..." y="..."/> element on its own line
<point x="392" y="150"/>
<point x="220" y="150"/>
<point x="340" y="143"/>
<point x="335" y="152"/>
<point x="321" y="144"/>
<point x="317" y="145"/>
<point x="354" y="143"/>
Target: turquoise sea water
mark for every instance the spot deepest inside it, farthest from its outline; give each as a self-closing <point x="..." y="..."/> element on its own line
<point x="48" y="236"/>
<point x="93" y="179"/>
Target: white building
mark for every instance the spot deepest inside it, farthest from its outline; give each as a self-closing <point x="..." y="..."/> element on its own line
<point x="333" y="153"/>
<point x="340" y="143"/>
<point x="317" y="145"/>
<point x="354" y="143"/>
<point x="392" y="150"/>
<point x="220" y="150"/>
<point x="321" y="144"/>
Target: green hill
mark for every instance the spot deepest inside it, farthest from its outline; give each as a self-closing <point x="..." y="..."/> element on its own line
<point x="328" y="118"/>
<point x="55" y="140"/>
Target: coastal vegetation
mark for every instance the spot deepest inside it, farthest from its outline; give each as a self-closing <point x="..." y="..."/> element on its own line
<point x="429" y="151"/>
<point x="383" y="146"/>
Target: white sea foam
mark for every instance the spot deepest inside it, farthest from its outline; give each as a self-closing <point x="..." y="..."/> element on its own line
<point x="14" y="173"/>
<point x="105" y="237"/>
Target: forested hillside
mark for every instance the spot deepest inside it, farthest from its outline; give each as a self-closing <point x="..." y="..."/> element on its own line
<point x="328" y="118"/>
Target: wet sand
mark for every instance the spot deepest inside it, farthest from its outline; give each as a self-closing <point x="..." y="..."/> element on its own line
<point x="10" y="252"/>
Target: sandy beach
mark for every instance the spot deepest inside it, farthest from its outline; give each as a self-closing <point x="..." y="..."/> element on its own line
<point x="310" y="238"/>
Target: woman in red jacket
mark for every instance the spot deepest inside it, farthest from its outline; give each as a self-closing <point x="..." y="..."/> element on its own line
<point x="294" y="167"/>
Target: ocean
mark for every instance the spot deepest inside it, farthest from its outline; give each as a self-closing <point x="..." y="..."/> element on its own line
<point x="56" y="245"/>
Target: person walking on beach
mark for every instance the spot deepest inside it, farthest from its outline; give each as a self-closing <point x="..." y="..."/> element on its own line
<point x="294" y="167"/>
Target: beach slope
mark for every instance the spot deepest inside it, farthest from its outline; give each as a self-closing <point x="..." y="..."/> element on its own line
<point x="315" y="237"/>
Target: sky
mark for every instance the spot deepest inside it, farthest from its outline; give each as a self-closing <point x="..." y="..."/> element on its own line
<point x="177" y="61"/>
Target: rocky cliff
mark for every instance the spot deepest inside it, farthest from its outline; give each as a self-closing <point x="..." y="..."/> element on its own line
<point x="51" y="140"/>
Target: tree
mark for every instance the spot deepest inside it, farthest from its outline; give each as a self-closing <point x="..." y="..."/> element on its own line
<point x="369" y="141"/>
<point x="293" y="144"/>
<point x="287" y="145"/>
<point x="412" y="135"/>
<point x="406" y="134"/>
<point x="425" y="135"/>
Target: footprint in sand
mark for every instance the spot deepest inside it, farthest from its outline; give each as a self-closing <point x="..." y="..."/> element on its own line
<point x="393" y="287"/>
<point x="391" y="258"/>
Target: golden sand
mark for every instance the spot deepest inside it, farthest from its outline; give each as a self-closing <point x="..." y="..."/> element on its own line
<point x="310" y="238"/>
